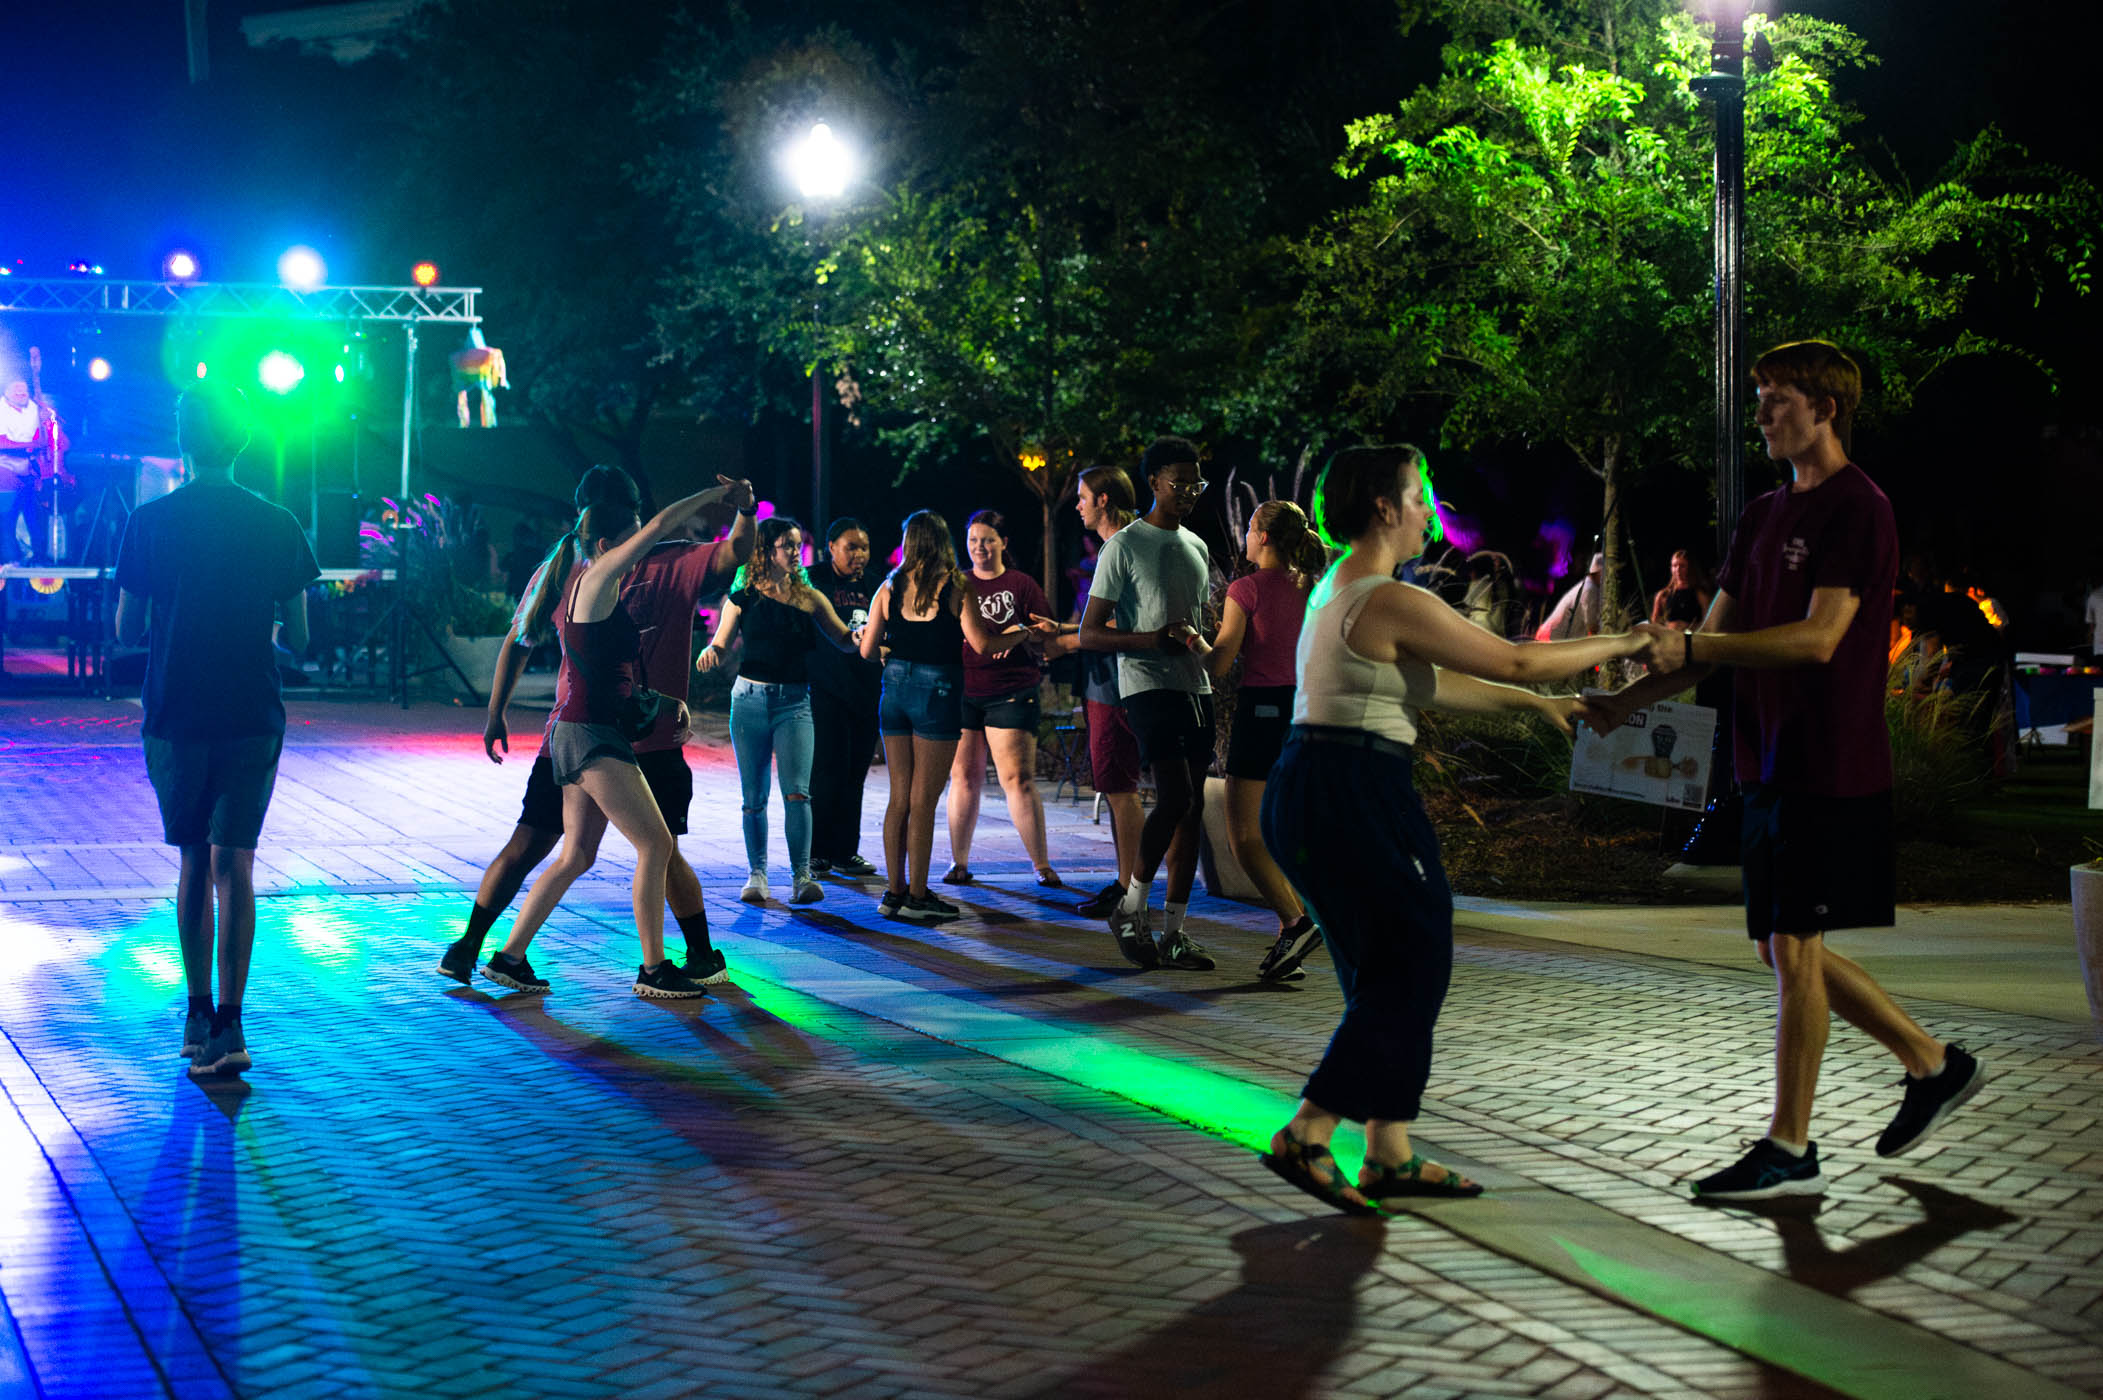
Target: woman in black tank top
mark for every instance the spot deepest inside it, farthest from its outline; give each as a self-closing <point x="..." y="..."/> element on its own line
<point x="595" y="766"/>
<point x="920" y="610"/>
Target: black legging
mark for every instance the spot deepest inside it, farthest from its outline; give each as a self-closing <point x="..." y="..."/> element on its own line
<point x="843" y="742"/>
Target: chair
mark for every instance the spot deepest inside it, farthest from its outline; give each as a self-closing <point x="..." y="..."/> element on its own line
<point x="1068" y="748"/>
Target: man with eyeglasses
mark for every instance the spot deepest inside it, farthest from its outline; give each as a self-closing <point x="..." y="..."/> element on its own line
<point x="1152" y="577"/>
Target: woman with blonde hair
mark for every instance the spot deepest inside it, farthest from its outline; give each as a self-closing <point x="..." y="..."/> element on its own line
<point x="920" y="611"/>
<point x="1260" y="624"/>
<point x="770" y="703"/>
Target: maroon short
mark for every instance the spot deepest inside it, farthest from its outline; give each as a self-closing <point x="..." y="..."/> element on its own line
<point x="1113" y="750"/>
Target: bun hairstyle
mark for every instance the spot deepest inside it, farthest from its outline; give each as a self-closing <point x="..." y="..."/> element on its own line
<point x="929" y="560"/>
<point x="1290" y="533"/>
<point x="606" y="501"/>
<point x="761" y="567"/>
<point x="1347" y="493"/>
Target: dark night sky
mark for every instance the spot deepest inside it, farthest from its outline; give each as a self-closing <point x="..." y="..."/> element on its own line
<point x="97" y="78"/>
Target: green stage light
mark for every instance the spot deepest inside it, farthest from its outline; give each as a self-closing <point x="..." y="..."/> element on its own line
<point x="280" y="373"/>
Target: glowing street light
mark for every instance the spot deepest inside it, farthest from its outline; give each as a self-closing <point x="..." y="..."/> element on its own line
<point x="181" y="266"/>
<point x="301" y="268"/>
<point x="280" y="373"/>
<point x="820" y="164"/>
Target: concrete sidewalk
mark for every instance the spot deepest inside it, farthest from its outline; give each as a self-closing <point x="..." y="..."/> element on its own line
<point x="981" y="1159"/>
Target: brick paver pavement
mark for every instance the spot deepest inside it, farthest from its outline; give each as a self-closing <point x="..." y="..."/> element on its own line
<point x="980" y="1160"/>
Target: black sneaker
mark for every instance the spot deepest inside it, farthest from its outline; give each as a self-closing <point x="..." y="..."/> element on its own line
<point x="854" y="868"/>
<point x="929" y="909"/>
<point x="1763" y="1173"/>
<point x="197" y="1028"/>
<point x="1929" y="1101"/>
<point x="460" y="959"/>
<point x="667" y="982"/>
<point x="1099" y="904"/>
<point x="820" y="866"/>
<point x="1291" y="949"/>
<point x="1134" y="940"/>
<point x="707" y="966"/>
<point x="892" y="905"/>
<point x="1179" y="949"/>
<point x="225" y="1050"/>
<point x="515" y="973"/>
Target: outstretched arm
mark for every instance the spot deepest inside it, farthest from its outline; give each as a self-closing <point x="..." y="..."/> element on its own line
<point x="600" y="586"/>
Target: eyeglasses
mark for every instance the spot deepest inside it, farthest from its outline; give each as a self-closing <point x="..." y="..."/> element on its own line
<point x="1190" y="488"/>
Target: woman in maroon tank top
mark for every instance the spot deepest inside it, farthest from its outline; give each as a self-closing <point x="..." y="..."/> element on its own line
<point x="594" y="763"/>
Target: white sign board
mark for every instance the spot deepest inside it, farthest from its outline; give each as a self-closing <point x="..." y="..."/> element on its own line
<point x="1660" y="756"/>
<point x="2095" y="755"/>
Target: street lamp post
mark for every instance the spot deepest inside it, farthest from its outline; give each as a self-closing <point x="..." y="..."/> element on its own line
<point x="821" y="166"/>
<point x="1715" y="840"/>
<point x="1724" y="86"/>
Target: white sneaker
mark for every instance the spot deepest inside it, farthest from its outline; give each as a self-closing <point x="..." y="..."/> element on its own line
<point x="755" y="891"/>
<point x="807" y="892"/>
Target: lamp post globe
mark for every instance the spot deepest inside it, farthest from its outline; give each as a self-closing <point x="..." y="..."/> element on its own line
<point x="821" y="166"/>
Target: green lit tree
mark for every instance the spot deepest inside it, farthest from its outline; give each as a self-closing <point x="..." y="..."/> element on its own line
<point x="1529" y="250"/>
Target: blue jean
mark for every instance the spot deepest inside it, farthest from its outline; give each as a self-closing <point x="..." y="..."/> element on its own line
<point x="770" y="727"/>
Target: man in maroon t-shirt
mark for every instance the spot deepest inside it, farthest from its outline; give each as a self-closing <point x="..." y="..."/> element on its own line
<point x="660" y="596"/>
<point x="1803" y="612"/>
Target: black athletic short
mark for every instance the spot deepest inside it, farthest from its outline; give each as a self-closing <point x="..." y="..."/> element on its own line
<point x="1262" y="718"/>
<point x="1017" y="709"/>
<point x="1171" y="725"/>
<point x="671" y="783"/>
<point x="1814" y="864"/>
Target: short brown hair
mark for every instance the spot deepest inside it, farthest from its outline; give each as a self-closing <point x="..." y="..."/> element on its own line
<point x="1112" y="484"/>
<point x="1821" y="370"/>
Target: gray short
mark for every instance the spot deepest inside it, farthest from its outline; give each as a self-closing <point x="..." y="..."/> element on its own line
<point x="572" y="747"/>
<point x="215" y="790"/>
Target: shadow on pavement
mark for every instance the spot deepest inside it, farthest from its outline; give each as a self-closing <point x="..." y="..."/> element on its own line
<point x="1811" y="1261"/>
<point x="1273" y="1335"/>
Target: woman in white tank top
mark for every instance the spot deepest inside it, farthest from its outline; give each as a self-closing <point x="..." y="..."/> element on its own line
<point x="1373" y="653"/>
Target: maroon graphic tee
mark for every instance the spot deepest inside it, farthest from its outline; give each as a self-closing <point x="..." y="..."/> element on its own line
<point x="1816" y="729"/>
<point x="1004" y="602"/>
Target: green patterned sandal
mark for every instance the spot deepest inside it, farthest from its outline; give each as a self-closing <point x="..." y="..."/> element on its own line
<point x="1312" y="1168"/>
<point x="1408" y="1180"/>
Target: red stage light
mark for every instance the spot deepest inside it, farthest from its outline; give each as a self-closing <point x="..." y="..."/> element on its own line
<point x="424" y="274"/>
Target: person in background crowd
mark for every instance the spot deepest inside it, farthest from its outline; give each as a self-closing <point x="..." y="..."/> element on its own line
<point x="844" y="694"/>
<point x="920" y="612"/>
<point x="1684" y="599"/>
<point x="1001" y="710"/>
<point x="1261" y="625"/>
<point x="770" y="703"/>
<point x="660" y="598"/>
<point x="1106" y="505"/>
<point x="1576" y="613"/>
<point x="1151" y="580"/>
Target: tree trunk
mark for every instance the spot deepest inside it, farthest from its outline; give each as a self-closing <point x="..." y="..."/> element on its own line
<point x="1612" y="599"/>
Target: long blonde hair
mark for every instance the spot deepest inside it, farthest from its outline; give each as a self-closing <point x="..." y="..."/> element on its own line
<point x="1293" y="536"/>
<point x="929" y="561"/>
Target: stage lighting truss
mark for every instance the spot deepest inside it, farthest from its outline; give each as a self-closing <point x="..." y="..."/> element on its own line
<point x="445" y="305"/>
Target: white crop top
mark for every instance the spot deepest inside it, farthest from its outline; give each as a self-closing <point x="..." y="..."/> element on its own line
<point x="1341" y="689"/>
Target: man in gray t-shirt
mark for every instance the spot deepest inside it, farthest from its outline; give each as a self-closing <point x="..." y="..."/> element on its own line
<point x="1152" y="577"/>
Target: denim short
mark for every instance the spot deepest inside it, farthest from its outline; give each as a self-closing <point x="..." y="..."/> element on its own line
<point x="1015" y="709"/>
<point x="922" y="699"/>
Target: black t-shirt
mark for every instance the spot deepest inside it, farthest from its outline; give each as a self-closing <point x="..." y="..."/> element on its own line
<point x="213" y="559"/>
<point x="778" y="639"/>
<point x="834" y="671"/>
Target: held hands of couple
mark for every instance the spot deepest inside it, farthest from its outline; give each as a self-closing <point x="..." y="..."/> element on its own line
<point x="737" y="492"/>
<point x="1660" y="648"/>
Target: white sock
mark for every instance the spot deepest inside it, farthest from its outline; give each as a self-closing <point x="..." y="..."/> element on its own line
<point x="1939" y="1068"/>
<point x="1135" y="896"/>
<point x="1172" y="917"/>
<point x="1794" y="1149"/>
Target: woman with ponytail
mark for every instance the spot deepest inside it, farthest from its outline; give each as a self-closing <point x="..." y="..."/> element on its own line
<point x="601" y="709"/>
<point x="1261" y="625"/>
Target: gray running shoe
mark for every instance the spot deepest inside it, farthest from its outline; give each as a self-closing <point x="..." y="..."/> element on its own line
<point x="1134" y="940"/>
<point x="1179" y="949"/>
<point x="807" y="892"/>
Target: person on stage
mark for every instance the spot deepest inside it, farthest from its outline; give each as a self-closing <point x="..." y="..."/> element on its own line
<point x="1001" y="711"/>
<point x="1802" y="614"/>
<point x="602" y="711"/>
<point x="199" y="574"/>
<point x="770" y="702"/>
<point x="1371" y="654"/>
<point x="921" y="613"/>
<point x="1261" y="625"/>
<point x="661" y="597"/>
<point x="844" y="693"/>
<point x="1151" y="580"/>
<point x="19" y="420"/>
